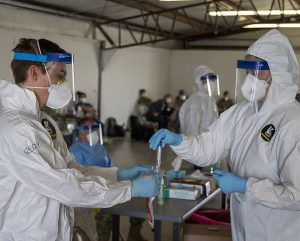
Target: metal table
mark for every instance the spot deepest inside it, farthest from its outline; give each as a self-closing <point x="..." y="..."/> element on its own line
<point x="173" y="210"/>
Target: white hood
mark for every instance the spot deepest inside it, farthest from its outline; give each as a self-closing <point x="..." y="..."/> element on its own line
<point x="14" y="97"/>
<point x="276" y="49"/>
<point x="198" y="73"/>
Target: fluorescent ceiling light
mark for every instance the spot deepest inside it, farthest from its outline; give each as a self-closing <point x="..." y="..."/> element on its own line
<point x="273" y="25"/>
<point x="252" y="13"/>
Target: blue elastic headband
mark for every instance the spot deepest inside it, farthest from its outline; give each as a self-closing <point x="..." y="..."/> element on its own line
<point x="82" y="128"/>
<point x="65" y="58"/>
<point x="210" y="77"/>
<point x="253" y="64"/>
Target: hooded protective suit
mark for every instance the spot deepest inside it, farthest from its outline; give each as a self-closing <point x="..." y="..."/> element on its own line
<point x="39" y="180"/>
<point x="199" y="111"/>
<point x="270" y="208"/>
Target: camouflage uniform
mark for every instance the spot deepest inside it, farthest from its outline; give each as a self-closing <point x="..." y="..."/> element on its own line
<point x="104" y="226"/>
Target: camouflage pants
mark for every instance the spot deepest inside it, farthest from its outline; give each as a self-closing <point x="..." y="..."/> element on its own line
<point x="104" y="222"/>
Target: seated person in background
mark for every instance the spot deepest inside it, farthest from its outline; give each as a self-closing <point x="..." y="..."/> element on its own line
<point x="160" y="111"/>
<point x="89" y="152"/>
<point x="141" y="129"/>
<point x="82" y="107"/>
<point x="224" y="103"/>
<point x="143" y="98"/>
<point x="179" y="100"/>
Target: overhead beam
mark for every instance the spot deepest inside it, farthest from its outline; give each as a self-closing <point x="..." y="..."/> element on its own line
<point x="106" y="35"/>
<point x="239" y="8"/>
<point x="212" y="34"/>
<point x="65" y="12"/>
<point x="297" y="2"/>
<point x="148" y="31"/>
<point x="171" y="13"/>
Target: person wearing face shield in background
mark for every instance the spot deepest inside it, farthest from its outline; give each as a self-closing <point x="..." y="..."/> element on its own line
<point x="89" y="151"/>
<point x="199" y="111"/>
<point x="39" y="180"/>
<point x="260" y="135"/>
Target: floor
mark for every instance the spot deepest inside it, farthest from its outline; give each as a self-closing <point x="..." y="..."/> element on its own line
<point x="125" y="152"/>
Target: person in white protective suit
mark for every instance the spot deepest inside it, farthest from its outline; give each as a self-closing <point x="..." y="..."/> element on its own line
<point x="39" y="180"/>
<point x="261" y="138"/>
<point x="199" y="111"/>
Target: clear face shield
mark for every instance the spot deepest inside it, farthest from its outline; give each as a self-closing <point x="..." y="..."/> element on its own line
<point x="59" y="68"/>
<point x="252" y="80"/>
<point x="93" y="133"/>
<point x="211" y="84"/>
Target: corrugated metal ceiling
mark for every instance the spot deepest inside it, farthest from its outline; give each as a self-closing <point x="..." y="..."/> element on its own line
<point x="184" y="20"/>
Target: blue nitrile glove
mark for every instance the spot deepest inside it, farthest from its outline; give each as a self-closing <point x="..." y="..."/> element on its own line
<point x="174" y="174"/>
<point x="146" y="185"/>
<point x="164" y="137"/>
<point x="132" y="172"/>
<point x="229" y="182"/>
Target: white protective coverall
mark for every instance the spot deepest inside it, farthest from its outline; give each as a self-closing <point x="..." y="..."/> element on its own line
<point x="199" y="111"/>
<point x="270" y="208"/>
<point x="39" y="179"/>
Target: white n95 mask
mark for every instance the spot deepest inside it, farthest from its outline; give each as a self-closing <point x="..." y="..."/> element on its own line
<point x="93" y="138"/>
<point x="254" y="91"/>
<point x="59" y="95"/>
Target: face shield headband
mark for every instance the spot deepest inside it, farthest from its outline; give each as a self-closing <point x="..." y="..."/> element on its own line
<point x="65" y="58"/>
<point x="251" y="80"/>
<point x="94" y="134"/>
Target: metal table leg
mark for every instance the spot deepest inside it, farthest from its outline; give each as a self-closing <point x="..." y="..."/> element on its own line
<point x="176" y="232"/>
<point x="157" y="230"/>
<point x="115" y="227"/>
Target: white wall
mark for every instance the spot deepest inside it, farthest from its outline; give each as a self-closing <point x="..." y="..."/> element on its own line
<point x="183" y="63"/>
<point x="129" y="70"/>
<point x="85" y="52"/>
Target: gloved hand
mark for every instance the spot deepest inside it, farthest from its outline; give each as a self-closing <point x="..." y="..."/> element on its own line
<point x="229" y="182"/>
<point x="174" y="174"/>
<point x="164" y="137"/>
<point x="146" y="185"/>
<point x="132" y="172"/>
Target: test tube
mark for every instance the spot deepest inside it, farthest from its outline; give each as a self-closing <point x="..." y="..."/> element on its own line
<point x="100" y="134"/>
<point x="161" y="196"/>
<point x="158" y="159"/>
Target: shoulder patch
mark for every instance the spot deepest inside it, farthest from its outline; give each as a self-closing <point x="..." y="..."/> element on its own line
<point x="49" y="127"/>
<point x="267" y="132"/>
